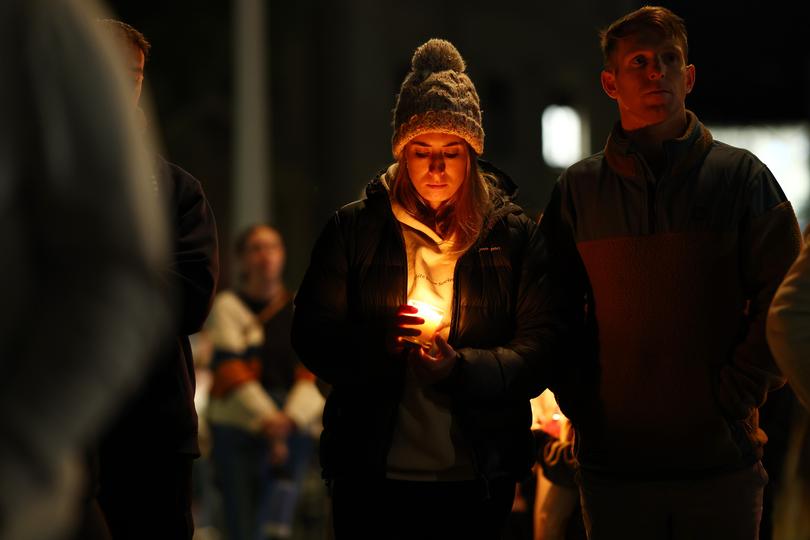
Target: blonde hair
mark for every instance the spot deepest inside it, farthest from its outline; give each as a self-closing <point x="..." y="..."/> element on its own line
<point x="462" y="216"/>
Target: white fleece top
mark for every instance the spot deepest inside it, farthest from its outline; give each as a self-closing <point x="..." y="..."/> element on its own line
<point x="234" y="328"/>
<point x="427" y="444"/>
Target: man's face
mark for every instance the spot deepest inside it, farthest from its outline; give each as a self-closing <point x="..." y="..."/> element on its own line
<point x="649" y="79"/>
<point x="263" y="257"/>
<point x="134" y="73"/>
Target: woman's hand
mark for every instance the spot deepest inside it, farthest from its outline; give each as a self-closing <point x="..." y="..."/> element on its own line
<point x="402" y="326"/>
<point x="430" y="369"/>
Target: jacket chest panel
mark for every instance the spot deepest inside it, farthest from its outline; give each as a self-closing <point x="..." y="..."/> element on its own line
<point x="615" y="207"/>
<point x="486" y="290"/>
<point x="377" y="284"/>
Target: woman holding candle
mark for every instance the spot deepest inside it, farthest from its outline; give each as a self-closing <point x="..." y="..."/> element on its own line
<point x="428" y="439"/>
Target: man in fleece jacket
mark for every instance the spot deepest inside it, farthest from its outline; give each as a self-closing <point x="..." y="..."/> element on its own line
<point x="670" y="245"/>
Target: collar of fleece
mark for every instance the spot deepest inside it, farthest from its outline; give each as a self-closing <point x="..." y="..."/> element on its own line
<point x="683" y="153"/>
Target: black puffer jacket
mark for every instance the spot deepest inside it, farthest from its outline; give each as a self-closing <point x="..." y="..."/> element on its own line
<point x="505" y="328"/>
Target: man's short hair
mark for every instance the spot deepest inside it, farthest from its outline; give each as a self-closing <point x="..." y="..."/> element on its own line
<point x="240" y="245"/>
<point x="121" y="29"/>
<point x="655" y="18"/>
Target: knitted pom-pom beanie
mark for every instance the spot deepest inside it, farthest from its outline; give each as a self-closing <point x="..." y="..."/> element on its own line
<point x="437" y="96"/>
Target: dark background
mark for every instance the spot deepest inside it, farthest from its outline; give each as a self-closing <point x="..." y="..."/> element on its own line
<point x="334" y="68"/>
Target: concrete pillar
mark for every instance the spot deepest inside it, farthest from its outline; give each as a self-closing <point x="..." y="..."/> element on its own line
<point x="250" y="183"/>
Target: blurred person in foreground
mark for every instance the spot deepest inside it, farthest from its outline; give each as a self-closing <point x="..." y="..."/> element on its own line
<point x="789" y="339"/>
<point x="145" y="457"/>
<point x="670" y="244"/>
<point x="83" y="242"/>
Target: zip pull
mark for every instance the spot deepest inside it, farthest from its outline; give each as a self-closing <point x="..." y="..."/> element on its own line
<point x="487" y="490"/>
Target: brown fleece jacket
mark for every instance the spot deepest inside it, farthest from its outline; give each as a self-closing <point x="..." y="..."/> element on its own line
<point x="677" y="272"/>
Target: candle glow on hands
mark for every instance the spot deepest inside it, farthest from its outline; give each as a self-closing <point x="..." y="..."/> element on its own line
<point x="432" y="316"/>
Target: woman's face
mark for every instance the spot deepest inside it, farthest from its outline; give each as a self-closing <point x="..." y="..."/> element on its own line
<point x="437" y="166"/>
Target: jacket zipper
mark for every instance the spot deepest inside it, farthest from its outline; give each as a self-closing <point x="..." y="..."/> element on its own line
<point x="650" y="182"/>
<point x="404" y="297"/>
<point x="404" y="258"/>
<point x="456" y="304"/>
<point x="450" y="338"/>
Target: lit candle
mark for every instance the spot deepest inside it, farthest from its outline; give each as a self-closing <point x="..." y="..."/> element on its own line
<point x="432" y="316"/>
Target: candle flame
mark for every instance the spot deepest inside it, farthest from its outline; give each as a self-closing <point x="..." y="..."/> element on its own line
<point x="432" y="316"/>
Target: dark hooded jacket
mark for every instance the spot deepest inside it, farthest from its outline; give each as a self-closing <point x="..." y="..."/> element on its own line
<point x="161" y="418"/>
<point x="504" y="328"/>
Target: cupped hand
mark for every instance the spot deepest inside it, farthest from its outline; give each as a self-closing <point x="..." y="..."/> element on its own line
<point x="277" y="426"/>
<point x="433" y="368"/>
<point x="279" y="452"/>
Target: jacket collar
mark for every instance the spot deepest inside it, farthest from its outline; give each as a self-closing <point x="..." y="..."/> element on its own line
<point x="683" y="153"/>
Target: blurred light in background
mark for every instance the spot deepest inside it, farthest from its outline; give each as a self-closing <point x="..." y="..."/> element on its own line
<point x="784" y="149"/>
<point x="564" y="136"/>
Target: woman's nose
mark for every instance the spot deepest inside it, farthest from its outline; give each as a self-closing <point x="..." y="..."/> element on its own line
<point x="437" y="164"/>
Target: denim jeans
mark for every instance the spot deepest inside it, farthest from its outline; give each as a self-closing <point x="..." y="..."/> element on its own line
<point x="258" y="498"/>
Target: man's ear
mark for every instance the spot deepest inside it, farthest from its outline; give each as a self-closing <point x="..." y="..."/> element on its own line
<point x="689" y="77"/>
<point x="609" y="83"/>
